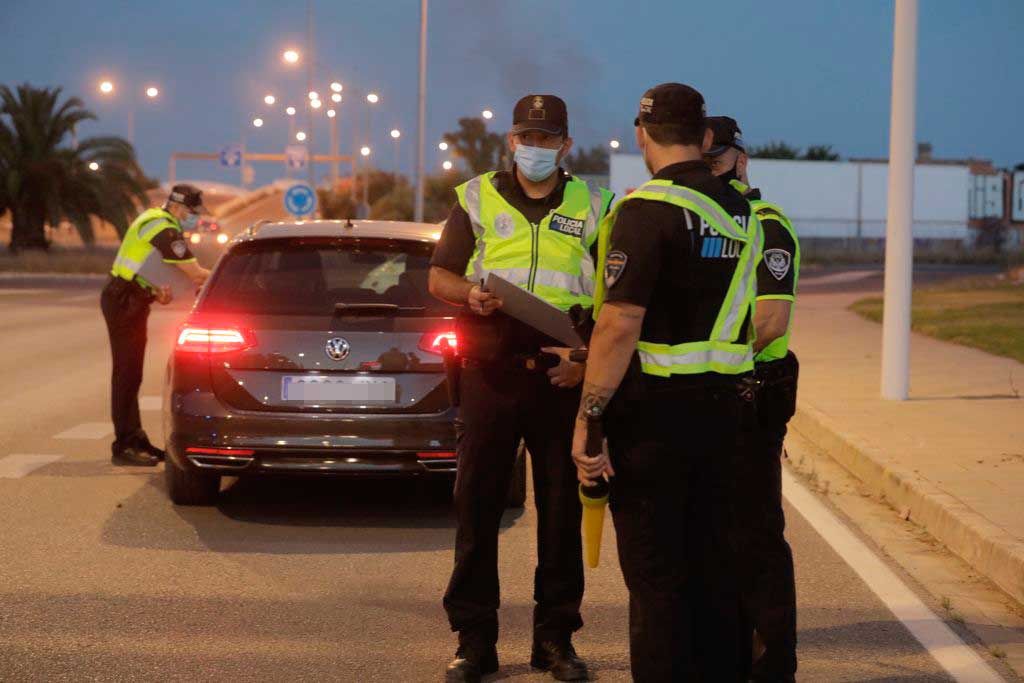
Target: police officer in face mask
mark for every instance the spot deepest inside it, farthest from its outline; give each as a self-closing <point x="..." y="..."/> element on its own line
<point x="125" y="302"/>
<point x="535" y="226"/>
<point x="768" y="582"/>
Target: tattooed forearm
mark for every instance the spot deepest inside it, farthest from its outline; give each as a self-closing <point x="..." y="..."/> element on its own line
<point x="594" y="395"/>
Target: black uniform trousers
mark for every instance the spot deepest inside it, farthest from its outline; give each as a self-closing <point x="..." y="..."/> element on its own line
<point x="500" y="406"/>
<point x="768" y="582"/>
<point x="125" y="308"/>
<point x="670" y="499"/>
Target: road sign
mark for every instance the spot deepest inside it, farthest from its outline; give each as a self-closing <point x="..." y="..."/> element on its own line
<point x="296" y="157"/>
<point x="231" y="156"/>
<point x="300" y="200"/>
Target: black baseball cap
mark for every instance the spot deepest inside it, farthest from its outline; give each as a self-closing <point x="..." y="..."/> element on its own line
<point x="546" y="113"/>
<point x="188" y="195"/>
<point x="727" y="134"/>
<point x="671" y="103"/>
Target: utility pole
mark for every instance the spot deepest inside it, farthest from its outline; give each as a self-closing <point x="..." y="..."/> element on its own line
<point x="310" y="60"/>
<point x="899" y="239"/>
<point x="421" y="115"/>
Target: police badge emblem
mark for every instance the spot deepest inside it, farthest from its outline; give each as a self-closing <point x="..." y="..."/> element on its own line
<point x="778" y="262"/>
<point x="178" y="247"/>
<point x="504" y="225"/>
<point x="614" y="265"/>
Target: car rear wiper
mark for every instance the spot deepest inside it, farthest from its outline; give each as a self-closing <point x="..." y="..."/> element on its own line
<point x="343" y="309"/>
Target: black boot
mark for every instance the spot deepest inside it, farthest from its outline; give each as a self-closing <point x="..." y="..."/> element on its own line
<point x="133" y="457"/>
<point x="475" y="658"/>
<point x="152" y="450"/>
<point x="559" y="657"/>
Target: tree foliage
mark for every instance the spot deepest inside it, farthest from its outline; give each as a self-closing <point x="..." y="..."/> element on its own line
<point x="391" y="196"/>
<point x="44" y="181"/>
<point x="588" y="161"/>
<point x="479" y="149"/>
<point x="780" y="150"/>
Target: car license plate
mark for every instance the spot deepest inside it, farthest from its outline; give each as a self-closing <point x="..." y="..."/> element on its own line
<point x="321" y="388"/>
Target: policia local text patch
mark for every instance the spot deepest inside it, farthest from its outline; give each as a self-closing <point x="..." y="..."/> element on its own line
<point x="567" y="226"/>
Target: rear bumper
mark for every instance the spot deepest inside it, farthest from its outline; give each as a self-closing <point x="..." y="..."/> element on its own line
<point x="313" y="444"/>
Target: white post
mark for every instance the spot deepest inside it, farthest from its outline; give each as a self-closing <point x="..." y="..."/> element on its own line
<point x="421" y="116"/>
<point x="899" y="241"/>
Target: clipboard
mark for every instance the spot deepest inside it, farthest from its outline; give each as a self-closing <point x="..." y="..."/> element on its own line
<point x="534" y="311"/>
<point x="160" y="274"/>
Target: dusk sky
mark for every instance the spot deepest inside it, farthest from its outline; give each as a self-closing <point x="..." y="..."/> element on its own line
<point x="805" y="72"/>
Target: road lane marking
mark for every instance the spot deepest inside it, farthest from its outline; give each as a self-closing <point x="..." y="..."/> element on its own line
<point x="17" y="465"/>
<point x="151" y="402"/>
<point x="87" y="430"/>
<point x="838" y="278"/>
<point x="952" y="654"/>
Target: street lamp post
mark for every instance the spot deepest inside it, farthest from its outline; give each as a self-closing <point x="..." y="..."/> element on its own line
<point x="365" y="208"/>
<point x="106" y="88"/>
<point x="421" y="112"/>
<point x="396" y="135"/>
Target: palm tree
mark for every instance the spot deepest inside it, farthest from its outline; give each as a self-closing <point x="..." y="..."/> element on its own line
<point x="43" y="181"/>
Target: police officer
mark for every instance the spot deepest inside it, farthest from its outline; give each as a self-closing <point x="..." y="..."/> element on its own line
<point x="125" y="302"/>
<point x="536" y="226"/>
<point x="671" y="344"/>
<point x="768" y="581"/>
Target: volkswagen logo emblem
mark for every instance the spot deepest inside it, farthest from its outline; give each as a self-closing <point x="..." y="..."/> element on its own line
<point x="338" y="348"/>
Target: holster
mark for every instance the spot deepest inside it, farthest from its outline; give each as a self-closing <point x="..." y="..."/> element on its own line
<point x="776" y="400"/>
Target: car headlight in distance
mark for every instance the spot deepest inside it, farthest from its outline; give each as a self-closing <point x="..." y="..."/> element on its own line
<point x="194" y="239"/>
<point x="222" y="239"/>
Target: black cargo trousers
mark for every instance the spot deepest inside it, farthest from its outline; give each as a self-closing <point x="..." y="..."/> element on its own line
<point x="767" y="579"/>
<point x="125" y="308"/>
<point x="501" y="404"/>
<point x="671" y="501"/>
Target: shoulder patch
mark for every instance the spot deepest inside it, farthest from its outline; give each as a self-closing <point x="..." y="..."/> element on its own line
<point x="778" y="262"/>
<point x="179" y="248"/>
<point x="614" y="266"/>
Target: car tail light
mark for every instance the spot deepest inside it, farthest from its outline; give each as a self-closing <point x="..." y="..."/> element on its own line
<point x="436" y="455"/>
<point x="437" y="342"/>
<point x="237" y="452"/>
<point x="199" y="338"/>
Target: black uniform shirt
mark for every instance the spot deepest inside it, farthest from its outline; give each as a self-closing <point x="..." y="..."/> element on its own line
<point x="666" y="267"/>
<point x="778" y="281"/>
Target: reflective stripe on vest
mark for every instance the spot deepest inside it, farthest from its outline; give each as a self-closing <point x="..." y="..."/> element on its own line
<point x="720" y="353"/>
<point x="137" y="245"/>
<point x="553" y="261"/>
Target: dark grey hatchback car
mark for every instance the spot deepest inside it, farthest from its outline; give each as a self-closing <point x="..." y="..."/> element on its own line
<point x="315" y="348"/>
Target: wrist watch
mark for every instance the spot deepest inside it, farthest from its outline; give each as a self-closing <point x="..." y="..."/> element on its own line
<point x="594" y="411"/>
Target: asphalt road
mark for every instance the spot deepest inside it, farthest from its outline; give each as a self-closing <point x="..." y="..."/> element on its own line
<point x="101" y="578"/>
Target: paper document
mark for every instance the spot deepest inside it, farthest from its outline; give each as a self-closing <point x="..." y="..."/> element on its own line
<point x="160" y="274"/>
<point x="534" y="311"/>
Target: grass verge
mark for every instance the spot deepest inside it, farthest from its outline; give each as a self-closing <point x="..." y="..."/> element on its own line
<point x="982" y="312"/>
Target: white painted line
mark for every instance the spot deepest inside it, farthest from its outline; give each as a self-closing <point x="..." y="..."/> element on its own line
<point x="87" y="430"/>
<point x="838" y="278"/>
<point x="17" y="465"/>
<point x="151" y="402"/>
<point x="956" y="657"/>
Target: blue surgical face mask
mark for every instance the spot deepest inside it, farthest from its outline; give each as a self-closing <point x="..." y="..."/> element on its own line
<point x="536" y="163"/>
<point x="190" y="222"/>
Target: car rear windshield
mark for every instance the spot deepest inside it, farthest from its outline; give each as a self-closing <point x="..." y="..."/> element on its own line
<point x="311" y="276"/>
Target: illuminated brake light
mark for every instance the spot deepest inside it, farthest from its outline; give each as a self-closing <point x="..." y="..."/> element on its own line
<point x="197" y="339"/>
<point x="240" y="452"/>
<point x="436" y="455"/>
<point x="436" y="342"/>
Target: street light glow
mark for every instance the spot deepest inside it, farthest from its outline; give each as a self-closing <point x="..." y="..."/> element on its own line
<point x="365" y="151"/>
<point x="269" y="99"/>
<point x="316" y="104"/>
<point x="331" y="113"/>
<point x="300" y="136"/>
<point x="372" y="98"/>
<point x="614" y="144"/>
<point x="487" y="114"/>
<point x="93" y="166"/>
<point x="106" y="87"/>
<point x="336" y="97"/>
<point x="443" y="146"/>
<point x="222" y="238"/>
<point x="336" y="87"/>
<point x="395" y="133"/>
<point x="290" y="111"/>
<point x="447" y="165"/>
<point x="257" y="122"/>
<point x="152" y="92"/>
<point x="314" y="95"/>
<point x="290" y="56"/>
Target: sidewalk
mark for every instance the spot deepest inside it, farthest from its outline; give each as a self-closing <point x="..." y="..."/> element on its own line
<point x="952" y="457"/>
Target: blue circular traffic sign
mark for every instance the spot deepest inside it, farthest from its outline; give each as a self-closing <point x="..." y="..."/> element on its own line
<point x="300" y="200"/>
